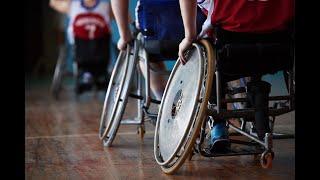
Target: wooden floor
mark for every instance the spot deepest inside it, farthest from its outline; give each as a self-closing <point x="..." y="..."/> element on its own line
<point x="61" y="142"/>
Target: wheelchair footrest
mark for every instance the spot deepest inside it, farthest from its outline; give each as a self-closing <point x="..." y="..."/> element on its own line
<point x="130" y="122"/>
<point x="150" y="115"/>
<point x="236" y="150"/>
<point x="153" y="120"/>
<point x="142" y="98"/>
<point x="274" y="135"/>
<point x="272" y="98"/>
<point x="282" y="136"/>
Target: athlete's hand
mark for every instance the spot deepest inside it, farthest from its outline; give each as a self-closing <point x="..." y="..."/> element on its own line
<point x="122" y="44"/>
<point x="183" y="46"/>
<point x="123" y="41"/>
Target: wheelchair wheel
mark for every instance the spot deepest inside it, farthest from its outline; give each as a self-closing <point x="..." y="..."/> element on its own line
<point x="117" y="95"/>
<point x="59" y="71"/>
<point x="266" y="160"/>
<point x="183" y="107"/>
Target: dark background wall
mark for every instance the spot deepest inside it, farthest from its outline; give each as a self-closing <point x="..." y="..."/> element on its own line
<point x="41" y="37"/>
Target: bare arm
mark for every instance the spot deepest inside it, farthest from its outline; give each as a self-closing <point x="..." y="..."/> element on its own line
<point x="121" y="14"/>
<point x="189" y="14"/>
<point x="111" y="16"/>
<point x="61" y="6"/>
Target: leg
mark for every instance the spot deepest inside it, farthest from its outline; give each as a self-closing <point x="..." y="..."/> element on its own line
<point x="93" y="57"/>
<point x="157" y="81"/>
<point x="258" y="93"/>
<point x="101" y="53"/>
<point x="84" y="79"/>
<point x="219" y="138"/>
<point x="237" y="89"/>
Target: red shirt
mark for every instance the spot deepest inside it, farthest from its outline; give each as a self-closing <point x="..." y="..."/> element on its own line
<point x="255" y="16"/>
<point x="90" y="26"/>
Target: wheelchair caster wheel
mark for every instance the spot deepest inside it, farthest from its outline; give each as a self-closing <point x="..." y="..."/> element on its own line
<point x="141" y="131"/>
<point x="105" y="143"/>
<point x="266" y="160"/>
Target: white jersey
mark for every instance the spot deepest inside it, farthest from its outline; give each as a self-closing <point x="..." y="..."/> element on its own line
<point x="207" y="7"/>
<point x="204" y="4"/>
<point x="88" y="23"/>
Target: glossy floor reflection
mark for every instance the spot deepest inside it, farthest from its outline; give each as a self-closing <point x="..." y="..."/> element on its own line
<point x="62" y="143"/>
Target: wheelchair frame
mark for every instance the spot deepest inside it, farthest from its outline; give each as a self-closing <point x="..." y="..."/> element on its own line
<point x="191" y="146"/>
<point x="60" y="72"/>
<point x="143" y="101"/>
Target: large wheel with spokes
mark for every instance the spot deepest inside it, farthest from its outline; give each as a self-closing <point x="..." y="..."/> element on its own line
<point x="183" y="107"/>
<point x="117" y="94"/>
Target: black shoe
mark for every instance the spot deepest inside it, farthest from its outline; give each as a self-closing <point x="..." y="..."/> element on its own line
<point x="218" y="146"/>
<point x="84" y="83"/>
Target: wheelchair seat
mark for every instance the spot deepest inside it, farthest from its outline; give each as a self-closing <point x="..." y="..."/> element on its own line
<point x="248" y="54"/>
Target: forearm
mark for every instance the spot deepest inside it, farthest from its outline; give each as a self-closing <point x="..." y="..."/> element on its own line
<point x="61" y="6"/>
<point x="111" y="16"/>
<point x="120" y="12"/>
<point x="189" y="13"/>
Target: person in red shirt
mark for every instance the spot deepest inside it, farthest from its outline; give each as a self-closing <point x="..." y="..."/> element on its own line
<point x="243" y="16"/>
<point x="89" y="31"/>
<point x="251" y="16"/>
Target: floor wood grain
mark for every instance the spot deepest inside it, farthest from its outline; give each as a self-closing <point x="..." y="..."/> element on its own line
<point x="61" y="142"/>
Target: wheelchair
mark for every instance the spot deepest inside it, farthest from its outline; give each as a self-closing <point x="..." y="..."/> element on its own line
<point x="127" y="81"/>
<point x="92" y="61"/>
<point x="191" y="104"/>
<point x="60" y="72"/>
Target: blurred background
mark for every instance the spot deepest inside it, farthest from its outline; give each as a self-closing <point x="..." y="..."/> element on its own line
<point x="45" y="32"/>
